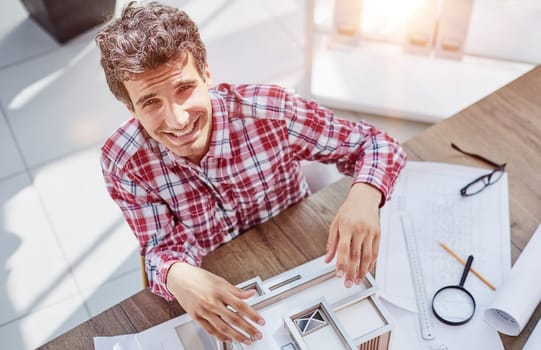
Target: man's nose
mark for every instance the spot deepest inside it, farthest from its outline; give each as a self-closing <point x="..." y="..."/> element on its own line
<point x="177" y="116"/>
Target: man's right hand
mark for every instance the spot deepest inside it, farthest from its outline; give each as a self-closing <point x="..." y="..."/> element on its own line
<point x="214" y="303"/>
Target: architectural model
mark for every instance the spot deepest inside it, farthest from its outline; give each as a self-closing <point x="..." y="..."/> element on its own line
<point x="306" y="308"/>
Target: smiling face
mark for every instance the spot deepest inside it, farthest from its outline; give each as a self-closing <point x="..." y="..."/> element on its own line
<point x="172" y="103"/>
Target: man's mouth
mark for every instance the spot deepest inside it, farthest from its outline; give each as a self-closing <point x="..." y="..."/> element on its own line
<point x="177" y="135"/>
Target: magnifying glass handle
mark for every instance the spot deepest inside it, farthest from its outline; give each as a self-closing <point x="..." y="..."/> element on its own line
<point x="466" y="270"/>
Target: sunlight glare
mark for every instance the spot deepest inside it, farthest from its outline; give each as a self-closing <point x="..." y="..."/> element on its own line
<point x="33" y="90"/>
<point x="384" y="16"/>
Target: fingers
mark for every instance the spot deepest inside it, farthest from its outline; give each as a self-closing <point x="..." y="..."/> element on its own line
<point x="354" y="233"/>
<point x="220" y="327"/>
<point x="355" y="259"/>
<point x="243" y="308"/>
<point x="356" y="254"/>
<point x="243" y="293"/>
<point x="210" y="329"/>
<point x="342" y="256"/>
<point x="332" y="242"/>
<point x="226" y="319"/>
<point x="215" y="304"/>
<point x="241" y="330"/>
<point x="375" y="251"/>
<point x="235" y="313"/>
<point x="366" y="259"/>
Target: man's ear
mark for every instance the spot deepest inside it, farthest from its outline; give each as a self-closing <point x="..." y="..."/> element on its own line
<point x="130" y="110"/>
<point x="208" y="79"/>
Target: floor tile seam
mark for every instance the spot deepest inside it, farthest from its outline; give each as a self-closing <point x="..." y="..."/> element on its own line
<point x="68" y="268"/>
<point x="13" y="136"/>
<point x="42" y="308"/>
<point x="13" y="175"/>
<point x="96" y="288"/>
<point x="300" y="44"/>
<point x="93" y="145"/>
<point x="27" y="59"/>
<point x="212" y="16"/>
<point x="27" y="170"/>
<point x="110" y="280"/>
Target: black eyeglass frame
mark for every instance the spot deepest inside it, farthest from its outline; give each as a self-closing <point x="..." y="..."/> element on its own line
<point x="485" y="179"/>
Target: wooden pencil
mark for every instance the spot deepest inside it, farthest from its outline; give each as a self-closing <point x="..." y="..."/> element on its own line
<point x="455" y="255"/>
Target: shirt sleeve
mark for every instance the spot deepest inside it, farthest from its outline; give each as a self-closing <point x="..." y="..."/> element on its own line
<point x="161" y="241"/>
<point x="357" y="148"/>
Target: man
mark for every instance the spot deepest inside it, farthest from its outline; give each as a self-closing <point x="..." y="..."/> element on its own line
<point x="197" y="165"/>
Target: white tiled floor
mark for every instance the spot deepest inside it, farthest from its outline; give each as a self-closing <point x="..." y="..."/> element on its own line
<point x="66" y="253"/>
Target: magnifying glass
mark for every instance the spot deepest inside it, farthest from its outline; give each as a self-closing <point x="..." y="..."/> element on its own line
<point x="454" y="305"/>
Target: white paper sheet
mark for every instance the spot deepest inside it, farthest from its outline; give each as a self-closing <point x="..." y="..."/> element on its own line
<point x="478" y="225"/>
<point x="476" y="334"/>
<point x="520" y="294"/>
<point x="119" y="342"/>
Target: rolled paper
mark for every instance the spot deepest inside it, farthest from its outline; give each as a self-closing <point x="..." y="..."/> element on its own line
<point x="520" y="293"/>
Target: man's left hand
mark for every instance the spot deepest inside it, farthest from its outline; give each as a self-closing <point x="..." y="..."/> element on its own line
<point x="354" y="234"/>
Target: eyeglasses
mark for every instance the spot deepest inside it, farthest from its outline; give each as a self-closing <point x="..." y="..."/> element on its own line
<point x="483" y="181"/>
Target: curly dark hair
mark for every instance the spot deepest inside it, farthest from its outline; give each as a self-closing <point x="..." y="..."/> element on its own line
<point x="146" y="36"/>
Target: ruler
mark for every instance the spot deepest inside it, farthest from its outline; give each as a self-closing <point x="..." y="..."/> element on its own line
<point x="417" y="278"/>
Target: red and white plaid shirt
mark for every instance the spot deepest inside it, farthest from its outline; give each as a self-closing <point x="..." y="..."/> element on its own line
<point x="179" y="211"/>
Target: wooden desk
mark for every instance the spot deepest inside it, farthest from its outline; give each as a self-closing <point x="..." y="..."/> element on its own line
<point x="505" y="127"/>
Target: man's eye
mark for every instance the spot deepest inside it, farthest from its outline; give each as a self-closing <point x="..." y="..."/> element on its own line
<point x="149" y="102"/>
<point x="183" y="88"/>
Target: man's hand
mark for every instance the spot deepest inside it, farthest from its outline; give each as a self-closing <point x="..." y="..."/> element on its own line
<point x="354" y="234"/>
<point x="214" y="303"/>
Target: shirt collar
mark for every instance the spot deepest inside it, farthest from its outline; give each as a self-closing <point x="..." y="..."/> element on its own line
<point x="220" y="142"/>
